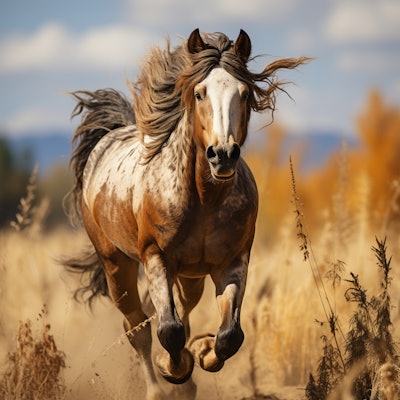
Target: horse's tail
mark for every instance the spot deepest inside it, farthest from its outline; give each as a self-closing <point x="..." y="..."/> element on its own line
<point x="102" y="111"/>
<point x="94" y="281"/>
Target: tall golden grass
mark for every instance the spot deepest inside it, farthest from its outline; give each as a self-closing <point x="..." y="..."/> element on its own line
<point x="310" y="237"/>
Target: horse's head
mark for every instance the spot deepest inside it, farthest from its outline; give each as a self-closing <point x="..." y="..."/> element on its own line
<point x="221" y="107"/>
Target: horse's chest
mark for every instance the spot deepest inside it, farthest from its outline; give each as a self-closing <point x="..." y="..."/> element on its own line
<point x="196" y="236"/>
<point x="205" y="245"/>
<point x="209" y="241"/>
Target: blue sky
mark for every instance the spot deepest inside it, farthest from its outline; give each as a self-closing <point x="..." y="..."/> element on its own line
<point x="48" y="48"/>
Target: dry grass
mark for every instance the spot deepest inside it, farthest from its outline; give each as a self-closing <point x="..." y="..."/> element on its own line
<point x="34" y="369"/>
<point x="280" y="311"/>
<point x="281" y="306"/>
<point x="368" y="345"/>
<point x="24" y="216"/>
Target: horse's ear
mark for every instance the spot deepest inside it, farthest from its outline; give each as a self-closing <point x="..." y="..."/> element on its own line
<point x="242" y="46"/>
<point x="195" y="42"/>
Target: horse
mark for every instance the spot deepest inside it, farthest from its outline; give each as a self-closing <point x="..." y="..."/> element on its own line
<point x="160" y="181"/>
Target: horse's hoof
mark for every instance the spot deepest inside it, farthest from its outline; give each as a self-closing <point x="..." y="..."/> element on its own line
<point x="172" y="373"/>
<point x="202" y="348"/>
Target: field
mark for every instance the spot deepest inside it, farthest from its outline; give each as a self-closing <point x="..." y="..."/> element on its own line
<point x="313" y="273"/>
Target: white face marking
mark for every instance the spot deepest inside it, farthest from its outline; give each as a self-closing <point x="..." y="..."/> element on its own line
<point x="224" y="94"/>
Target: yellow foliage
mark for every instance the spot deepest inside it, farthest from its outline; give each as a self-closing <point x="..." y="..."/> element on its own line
<point x="359" y="184"/>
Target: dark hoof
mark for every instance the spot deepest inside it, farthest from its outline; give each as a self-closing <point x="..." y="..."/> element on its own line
<point x="228" y="342"/>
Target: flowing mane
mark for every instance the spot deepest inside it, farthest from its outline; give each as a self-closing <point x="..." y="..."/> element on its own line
<point x="164" y="89"/>
<point x="158" y="108"/>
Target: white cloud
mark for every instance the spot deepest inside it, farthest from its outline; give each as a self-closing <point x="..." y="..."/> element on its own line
<point x="20" y="52"/>
<point x="396" y="88"/>
<point x="363" y="21"/>
<point x="201" y="13"/>
<point x="257" y="9"/>
<point x="369" y="61"/>
<point x="36" y="120"/>
<point x="54" y="47"/>
<point x="301" y="40"/>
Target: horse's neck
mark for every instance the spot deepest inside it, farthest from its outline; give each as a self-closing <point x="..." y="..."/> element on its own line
<point x="181" y="153"/>
<point x="171" y="170"/>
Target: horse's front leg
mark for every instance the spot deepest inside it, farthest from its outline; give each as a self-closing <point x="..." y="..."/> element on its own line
<point x="176" y="364"/>
<point x="209" y="351"/>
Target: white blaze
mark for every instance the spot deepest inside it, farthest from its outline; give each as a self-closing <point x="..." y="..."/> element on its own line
<point x="223" y="91"/>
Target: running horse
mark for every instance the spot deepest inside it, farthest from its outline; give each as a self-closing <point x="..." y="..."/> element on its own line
<point x="160" y="181"/>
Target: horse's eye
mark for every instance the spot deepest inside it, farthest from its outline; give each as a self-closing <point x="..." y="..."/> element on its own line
<point x="198" y="96"/>
<point x="245" y="95"/>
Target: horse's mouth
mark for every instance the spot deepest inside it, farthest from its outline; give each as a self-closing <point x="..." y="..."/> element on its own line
<point x="223" y="160"/>
<point x="223" y="178"/>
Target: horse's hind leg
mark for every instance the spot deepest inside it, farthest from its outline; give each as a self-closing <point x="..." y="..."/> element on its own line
<point x="121" y="274"/>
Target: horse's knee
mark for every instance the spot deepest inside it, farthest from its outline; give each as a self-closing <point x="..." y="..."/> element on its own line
<point x="171" y="334"/>
<point x="228" y="341"/>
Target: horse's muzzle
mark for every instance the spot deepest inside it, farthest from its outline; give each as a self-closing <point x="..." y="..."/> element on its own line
<point x="223" y="159"/>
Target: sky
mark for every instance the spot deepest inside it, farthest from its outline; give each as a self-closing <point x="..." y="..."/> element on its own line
<point x="49" y="48"/>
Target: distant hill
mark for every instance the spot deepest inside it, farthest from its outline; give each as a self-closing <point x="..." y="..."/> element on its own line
<point x="55" y="149"/>
<point x="317" y="147"/>
<point x="47" y="150"/>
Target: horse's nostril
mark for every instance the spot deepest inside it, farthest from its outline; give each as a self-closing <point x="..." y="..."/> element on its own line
<point x="210" y="153"/>
<point x="235" y="152"/>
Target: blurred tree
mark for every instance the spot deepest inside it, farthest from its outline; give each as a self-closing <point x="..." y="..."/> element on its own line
<point x="379" y="130"/>
<point x="355" y="187"/>
<point x="15" y="169"/>
<point x="55" y="185"/>
<point x="6" y="159"/>
<point x="13" y="180"/>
